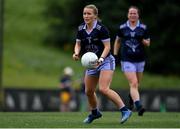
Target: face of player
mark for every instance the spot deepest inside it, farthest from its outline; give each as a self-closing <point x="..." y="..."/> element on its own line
<point x="89" y="16"/>
<point x="133" y="15"/>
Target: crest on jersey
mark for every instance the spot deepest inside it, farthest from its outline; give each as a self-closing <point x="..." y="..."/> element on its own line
<point x="132" y="44"/>
<point x="89" y="39"/>
<point x="132" y="34"/>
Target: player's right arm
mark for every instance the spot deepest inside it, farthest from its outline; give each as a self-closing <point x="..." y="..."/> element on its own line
<point x="146" y="38"/>
<point x="77" y="49"/>
<point x="116" y="46"/>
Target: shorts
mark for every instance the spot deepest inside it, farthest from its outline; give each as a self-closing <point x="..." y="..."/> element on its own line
<point x="108" y="64"/>
<point x="132" y="66"/>
<point x="65" y="97"/>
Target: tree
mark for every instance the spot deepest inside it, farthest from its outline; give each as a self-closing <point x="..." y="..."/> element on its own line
<point x="160" y="16"/>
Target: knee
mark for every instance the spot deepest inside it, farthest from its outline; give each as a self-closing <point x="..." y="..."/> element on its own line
<point x="103" y="90"/>
<point x="89" y="92"/>
<point x="134" y="84"/>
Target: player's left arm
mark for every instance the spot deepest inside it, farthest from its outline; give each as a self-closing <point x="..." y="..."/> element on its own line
<point x="105" y="38"/>
<point x="146" y="38"/>
<point x="105" y="52"/>
<point x="107" y="47"/>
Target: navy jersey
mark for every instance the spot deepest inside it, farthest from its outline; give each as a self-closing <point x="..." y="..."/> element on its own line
<point x="132" y="48"/>
<point x="65" y="83"/>
<point x="93" y="41"/>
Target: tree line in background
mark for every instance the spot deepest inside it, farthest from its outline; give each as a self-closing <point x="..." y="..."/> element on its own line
<point x="161" y="17"/>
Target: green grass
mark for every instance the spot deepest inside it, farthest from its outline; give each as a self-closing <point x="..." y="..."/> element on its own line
<point x="34" y="66"/>
<point x="26" y="62"/>
<point x="74" y="120"/>
<point x="29" y="64"/>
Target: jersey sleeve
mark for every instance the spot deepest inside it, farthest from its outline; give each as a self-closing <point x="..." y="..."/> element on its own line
<point x="78" y="36"/>
<point x="104" y="35"/>
<point x="146" y="34"/>
<point x="119" y="33"/>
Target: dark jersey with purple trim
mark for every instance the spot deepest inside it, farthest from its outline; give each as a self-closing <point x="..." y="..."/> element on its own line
<point x="132" y="48"/>
<point x="93" y="41"/>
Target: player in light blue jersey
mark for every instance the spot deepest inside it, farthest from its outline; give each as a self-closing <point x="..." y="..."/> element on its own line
<point x="93" y="36"/>
<point x="131" y="40"/>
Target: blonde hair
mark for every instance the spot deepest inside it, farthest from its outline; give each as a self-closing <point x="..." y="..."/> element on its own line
<point x="93" y="7"/>
<point x="95" y="10"/>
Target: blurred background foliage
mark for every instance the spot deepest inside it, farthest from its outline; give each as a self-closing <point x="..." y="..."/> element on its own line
<point x="39" y="36"/>
<point x="161" y="17"/>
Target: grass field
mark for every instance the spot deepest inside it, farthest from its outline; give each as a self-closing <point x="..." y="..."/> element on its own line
<point x="74" y="120"/>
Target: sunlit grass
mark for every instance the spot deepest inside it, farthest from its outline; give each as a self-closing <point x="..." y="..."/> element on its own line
<point x="75" y="120"/>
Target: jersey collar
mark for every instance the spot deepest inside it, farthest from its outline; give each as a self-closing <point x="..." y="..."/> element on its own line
<point x="128" y="24"/>
<point x="94" y="25"/>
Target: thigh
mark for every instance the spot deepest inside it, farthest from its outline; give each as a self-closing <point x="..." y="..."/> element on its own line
<point x="139" y="76"/>
<point x="105" y="78"/>
<point x="140" y="69"/>
<point x="90" y="82"/>
<point x="131" y="77"/>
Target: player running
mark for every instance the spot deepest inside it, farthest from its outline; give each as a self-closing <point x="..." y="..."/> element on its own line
<point x="132" y="37"/>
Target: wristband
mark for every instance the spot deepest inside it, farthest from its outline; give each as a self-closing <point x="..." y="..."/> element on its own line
<point x="101" y="59"/>
<point x="76" y="54"/>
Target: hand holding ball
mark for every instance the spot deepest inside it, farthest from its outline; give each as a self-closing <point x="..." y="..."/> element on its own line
<point x="89" y="60"/>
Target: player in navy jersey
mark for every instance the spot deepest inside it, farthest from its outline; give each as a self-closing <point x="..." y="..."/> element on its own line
<point x="93" y="36"/>
<point x="131" y="40"/>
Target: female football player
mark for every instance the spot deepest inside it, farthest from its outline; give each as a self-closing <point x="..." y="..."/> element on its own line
<point x="131" y="40"/>
<point x="93" y="36"/>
